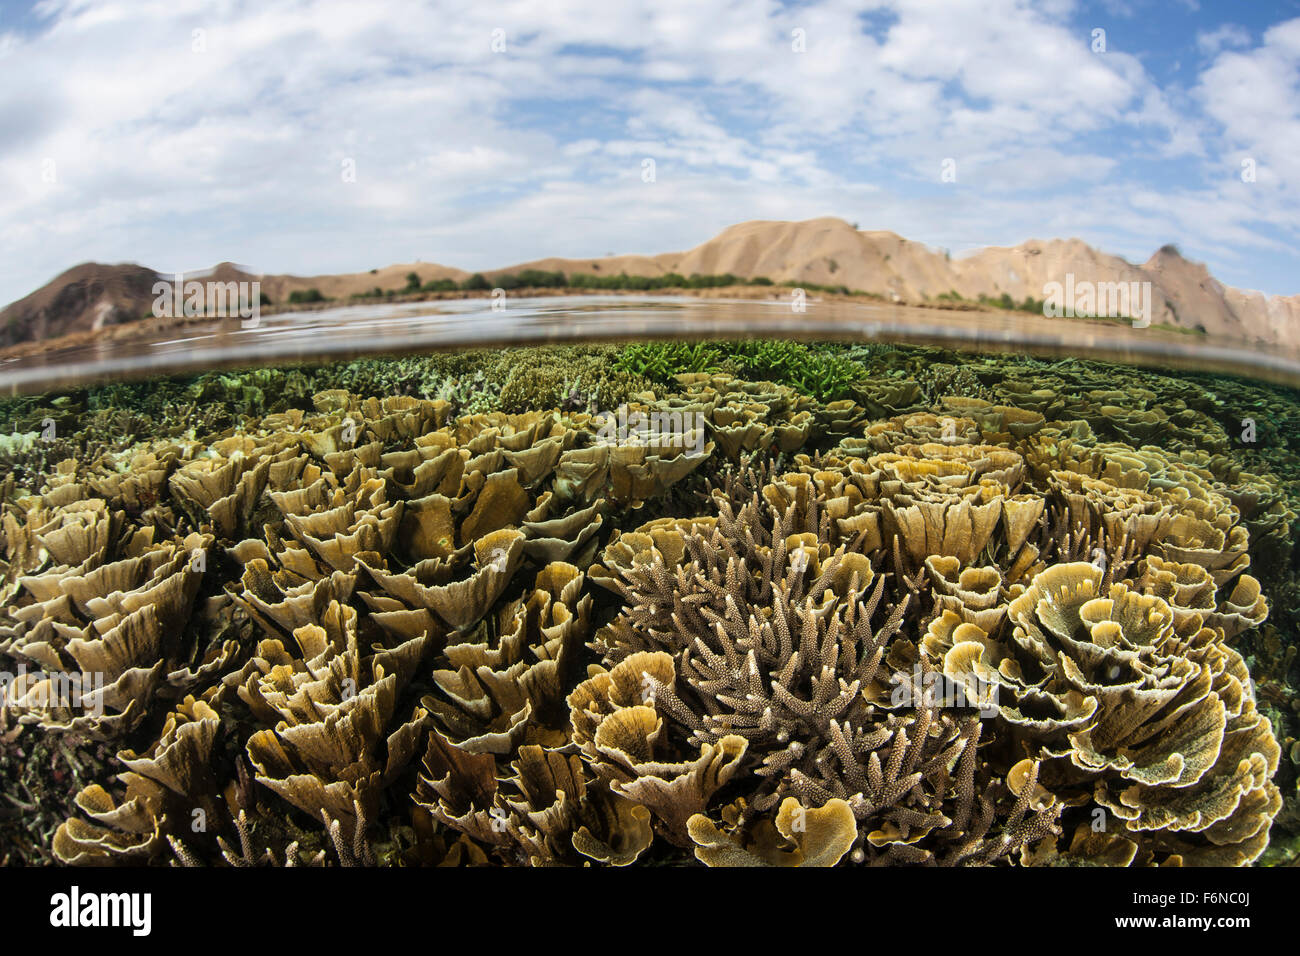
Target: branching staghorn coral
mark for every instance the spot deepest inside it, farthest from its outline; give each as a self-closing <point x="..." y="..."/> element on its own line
<point x="771" y="632"/>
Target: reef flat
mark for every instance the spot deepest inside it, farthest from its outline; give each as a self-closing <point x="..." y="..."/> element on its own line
<point x="753" y="603"/>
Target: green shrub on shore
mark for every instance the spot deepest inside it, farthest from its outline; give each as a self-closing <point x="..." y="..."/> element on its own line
<point x="671" y="280"/>
<point x="1005" y="302"/>
<point x="830" y="289"/>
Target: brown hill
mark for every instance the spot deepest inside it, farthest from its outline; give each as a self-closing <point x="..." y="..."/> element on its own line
<point x="826" y="251"/>
<point x="830" y="252"/>
<point x="822" y="251"/>
<point x="278" y="287"/>
<point x="1278" y="315"/>
<point x="83" y="299"/>
<point x="343" y="286"/>
<point x="1195" y="298"/>
<point x="1022" y="271"/>
<point x="605" y="266"/>
<point x="92" y="296"/>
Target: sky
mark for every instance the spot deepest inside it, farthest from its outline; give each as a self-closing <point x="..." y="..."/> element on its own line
<point x="320" y="136"/>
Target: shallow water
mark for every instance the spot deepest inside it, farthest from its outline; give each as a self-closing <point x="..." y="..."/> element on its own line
<point x="403" y="328"/>
<point x="1060" y="589"/>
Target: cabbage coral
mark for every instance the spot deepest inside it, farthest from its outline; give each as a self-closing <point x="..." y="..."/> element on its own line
<point x="902" y="626"/>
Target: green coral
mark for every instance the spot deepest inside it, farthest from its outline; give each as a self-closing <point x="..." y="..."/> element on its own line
<point x="572" y="378"/>
<point x="818" y="370"/>
<point x="661" y="361"/>
<point x="823" y="371"/>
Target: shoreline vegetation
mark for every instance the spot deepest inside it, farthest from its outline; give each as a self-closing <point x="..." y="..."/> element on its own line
<point x="534" y="283"/>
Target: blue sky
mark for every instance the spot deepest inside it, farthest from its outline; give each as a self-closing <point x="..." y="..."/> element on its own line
<point x="178" y="134"/>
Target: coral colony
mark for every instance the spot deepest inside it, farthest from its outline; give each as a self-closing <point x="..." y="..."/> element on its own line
<point x="784" y="605"/>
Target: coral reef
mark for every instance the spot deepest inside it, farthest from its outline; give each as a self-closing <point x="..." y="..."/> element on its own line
<point x="855" y="606"/>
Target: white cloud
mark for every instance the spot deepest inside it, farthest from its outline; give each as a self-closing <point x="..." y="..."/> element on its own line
<point x="1227" y="35"/>
<point x="1254" y="97"/>
<point x="176" y="158"/>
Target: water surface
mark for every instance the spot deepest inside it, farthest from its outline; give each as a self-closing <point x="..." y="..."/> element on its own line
<point x="395" y="328"/>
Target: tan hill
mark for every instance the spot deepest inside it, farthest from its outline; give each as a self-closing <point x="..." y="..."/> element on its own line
<point x="1023" y="271"/>
<point x="821" y="251"/>
<point x="1279" y="314"/>
<point x="606" y="266"/>
<point x="825" y="252"/>
<point x="92" y="296"/>
<point x="86" y="298"/>
<point x="278" y="287"/>
<point x="831" y="252"/>
<point x="1197" y="300"/>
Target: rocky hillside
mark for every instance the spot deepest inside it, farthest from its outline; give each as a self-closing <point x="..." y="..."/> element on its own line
<point x="83" y="299"/>
<point x="827" y="252"/>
